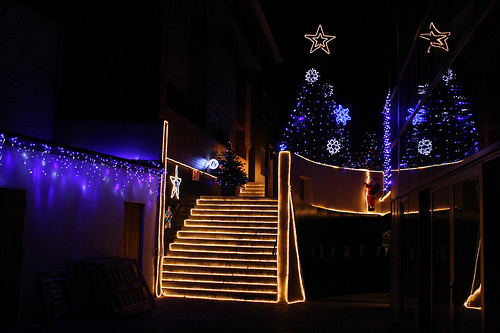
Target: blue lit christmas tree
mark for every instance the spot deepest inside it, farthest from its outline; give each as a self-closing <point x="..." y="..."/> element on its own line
<point x="317" y="125"/>
<point x="443" y="129"/>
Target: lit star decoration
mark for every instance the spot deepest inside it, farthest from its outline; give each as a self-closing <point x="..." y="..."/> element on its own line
<point x="333" y="146"/>
<point x="319" y="40"/>
<point x="341" y="114"/>
<point x="176" y="182"/>
<point x="424" y="147"/>
<point x="312" y="75"/>
<point x="437" y="38"/>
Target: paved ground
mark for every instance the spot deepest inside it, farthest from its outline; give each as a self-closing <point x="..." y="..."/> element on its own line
<point x="355" y="313"/>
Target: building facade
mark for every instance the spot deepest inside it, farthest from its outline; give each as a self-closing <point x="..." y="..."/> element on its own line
<point x="101" y="103"/>
<point x="444" y="152"/>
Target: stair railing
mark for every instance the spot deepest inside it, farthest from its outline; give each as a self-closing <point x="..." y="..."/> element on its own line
<point x="290" y="280"/>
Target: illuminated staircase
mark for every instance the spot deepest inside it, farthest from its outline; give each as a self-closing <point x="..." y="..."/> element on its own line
<point x="225" y="251"/>
<point x="254" y="190"/>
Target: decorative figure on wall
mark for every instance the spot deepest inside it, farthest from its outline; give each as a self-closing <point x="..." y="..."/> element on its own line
<point x="372" y="189"/>
<point x="176" y="182"/>
<point x="168" y="218"/>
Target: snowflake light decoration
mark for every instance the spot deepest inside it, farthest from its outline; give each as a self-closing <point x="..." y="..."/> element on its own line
<point x="328" y="90"/>
<point x="448" y="75"/>
<point x="341" y="114"/>
<point x="424" y="147"/>
<point x="333" y="146"/>
<point x="419" y="117"/>
<point x="422" y="89"/>
<point x="312" y="75"/>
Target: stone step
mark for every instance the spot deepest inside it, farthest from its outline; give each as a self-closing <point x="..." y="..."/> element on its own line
<point x="221" y="286"/>
<point x="254" y="190"/>
<point x="188" y="277"/>
<point x="221" y="256"/>
<point x="221" y="249"/>
<point x="219" y="263"/>
<point x="186" y="233"/>
<point x="237" y="200"/>
<point x="234" y="212"/>
<point x="225" y="242"/>
<point x="222" y="295"/>
<point x="222" y="271"/>
<point x="210" y="206"/>
<point x="234" y="218"/>
<point x="266" y="230"/>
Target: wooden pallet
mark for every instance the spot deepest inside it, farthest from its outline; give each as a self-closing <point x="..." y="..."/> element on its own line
<point x="122" y="286"/>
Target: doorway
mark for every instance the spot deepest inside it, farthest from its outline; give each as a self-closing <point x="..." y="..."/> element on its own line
<point x="132" y="231"/>
<point x="440" y="244"/>
<point x="12" y="207"/>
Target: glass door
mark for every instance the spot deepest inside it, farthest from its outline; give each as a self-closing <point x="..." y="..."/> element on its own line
<point x="440" y="245"/>
<point x="466" y="265"/>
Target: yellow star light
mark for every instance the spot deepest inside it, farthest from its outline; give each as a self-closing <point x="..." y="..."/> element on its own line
<point x="319" y="40"/>
<point x="436" y="37"/>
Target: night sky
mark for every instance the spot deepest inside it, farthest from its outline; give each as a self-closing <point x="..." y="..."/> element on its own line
<point x="359" y="62"/>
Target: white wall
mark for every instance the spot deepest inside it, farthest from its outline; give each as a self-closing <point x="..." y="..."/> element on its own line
<point x="334" y="187"/>
<point x="74" y="210"/>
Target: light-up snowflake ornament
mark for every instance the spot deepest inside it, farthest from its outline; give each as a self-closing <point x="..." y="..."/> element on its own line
<point x="419" y="117"/>
<point x="328" y="90"/>
<point x="282" y="146"/>
<point x="422" y="89"/>
<point x="449" y="75"/>
<point x="312" y="75"/>
<point x="333" y="146"/>
<point x="424" y="146"/>
<point x="341" y="114"/>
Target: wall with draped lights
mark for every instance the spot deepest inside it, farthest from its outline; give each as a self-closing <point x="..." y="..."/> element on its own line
<point x="74" y="208"/>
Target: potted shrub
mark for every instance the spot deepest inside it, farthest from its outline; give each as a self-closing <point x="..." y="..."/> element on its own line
<point x="230" y="174"/>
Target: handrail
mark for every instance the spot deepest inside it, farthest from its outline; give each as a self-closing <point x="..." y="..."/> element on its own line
<point x="290" y="280"/>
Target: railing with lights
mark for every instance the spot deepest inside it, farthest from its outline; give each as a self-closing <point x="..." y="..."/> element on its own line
<point x="290" y="280"/>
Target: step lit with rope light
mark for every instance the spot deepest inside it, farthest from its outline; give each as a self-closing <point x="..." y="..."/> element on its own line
<point x="225" y="251"/>
<point x="253" y="190"/>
